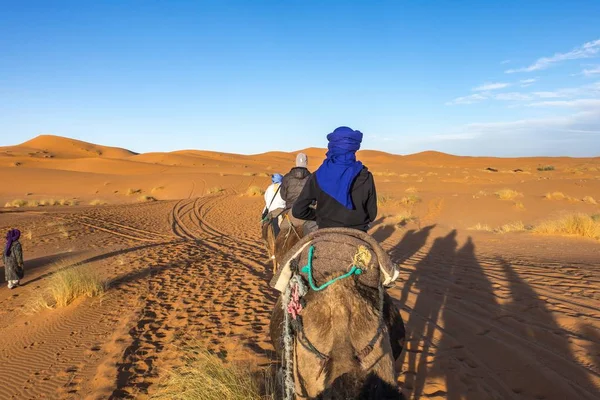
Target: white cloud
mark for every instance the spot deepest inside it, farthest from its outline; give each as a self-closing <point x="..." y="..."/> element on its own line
<point x="473" y="98"/>
<point x="527" y="82"/>
<point x="587" y="50"/>
<point x="513" y="96"/>
<point x="592" y="71"/>
<point x="577" y="103"/>
<point x="548" y="95"/>
<point x="505" y="62"/>
<point x="491" y="86"/>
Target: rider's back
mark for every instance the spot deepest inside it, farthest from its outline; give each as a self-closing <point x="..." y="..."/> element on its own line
<point x="329" y="213"/>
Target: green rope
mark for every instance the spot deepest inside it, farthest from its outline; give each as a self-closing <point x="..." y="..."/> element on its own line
<point x="308" y="270"/>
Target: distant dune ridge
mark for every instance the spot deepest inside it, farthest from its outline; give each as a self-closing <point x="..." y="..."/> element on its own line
<point x="458" y="190"/>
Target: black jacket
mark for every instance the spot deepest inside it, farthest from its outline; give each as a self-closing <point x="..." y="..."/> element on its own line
<point x="292" y="184"/>
<point x="330" y="213"/>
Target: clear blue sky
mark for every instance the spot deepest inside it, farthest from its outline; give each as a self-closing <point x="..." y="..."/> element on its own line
<point x="507" y="78"/>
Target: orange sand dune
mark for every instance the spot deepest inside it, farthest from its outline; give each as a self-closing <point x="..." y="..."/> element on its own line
<point x="493" y="310"/>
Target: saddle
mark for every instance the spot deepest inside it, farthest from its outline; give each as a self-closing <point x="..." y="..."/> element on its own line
<point x="333" y="252"/>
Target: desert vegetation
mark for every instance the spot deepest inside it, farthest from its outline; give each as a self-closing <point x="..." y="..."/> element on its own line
<point x="205" y="376"/>
<point x="145" y="198"/>
<point x="67" y="284"/>
<point x="254" y="191"/>
<point x="216" y="189"/>
<point x="131" y="192"/>
<point x="544" y="168"/>
<point x="582" y="225"/>
<point x="508" y="194"/>
<point x="17" y="203"/>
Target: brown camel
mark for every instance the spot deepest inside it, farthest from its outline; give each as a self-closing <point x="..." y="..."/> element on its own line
<point x="345" y="341"/>
<point x="278" y="246"/>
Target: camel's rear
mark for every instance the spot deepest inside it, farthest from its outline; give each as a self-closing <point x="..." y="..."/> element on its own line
<point x="346" y="330"/>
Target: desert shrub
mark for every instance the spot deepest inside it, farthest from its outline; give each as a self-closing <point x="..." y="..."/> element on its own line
<point x="204" y="376"/>
<point x="66" y="285"/>
<point x="384" y="200"/>
<point x="480" y="227"/>
<point x="546" y="168"/>
<point x="508" y="194"/>
<point x="17" y="203"/>
<point x="402" y="217"/>
<point x="254" y="191"/>
<point x="572" y="225"/>
<point x="131" y="191"/>
<point x="555" y="196"/>
<point x="145" y="198"/>
<point x="410" y="200"/>
<point x="215" y="189"/>
<point x="516" y="226"/>
<point x="589" y="200"/>
<point x="98" y="202"/>
<point x="519" y="205"/>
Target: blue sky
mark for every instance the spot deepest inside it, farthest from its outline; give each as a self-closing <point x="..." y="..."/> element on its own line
<point x="505" y="78"/>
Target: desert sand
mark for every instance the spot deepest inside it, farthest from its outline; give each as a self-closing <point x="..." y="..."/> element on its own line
<point x="493" y="309"/>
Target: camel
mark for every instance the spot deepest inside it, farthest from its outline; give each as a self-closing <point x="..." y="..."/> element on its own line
<point x="338" y="338"/>
<point x="278" y="246"/>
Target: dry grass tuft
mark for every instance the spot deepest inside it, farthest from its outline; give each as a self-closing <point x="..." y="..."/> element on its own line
<point x="17" y="203"/>
<point x="264" y="175"/>
<point x="589" y="200"/>
<point x="131" y="192"/>
<point x="28" y="235"/>
<point x="98" y="202"/>
<point x="555" y="196"/>
<point x="546" y="168"/>
<point x="480" y="227"/>
<point x="215" y="189"/>
<point x="204" y="376"/>
<point x="401" y="218"/>
<point x="519" y="205"/>
<point x="66" y="285"/>
<point x="517" y="226"/>
<point x="255" y="191"/>
<point x="156" y="189"/>
<point x="386" y="173"/>
<point x="249" y="174"/>
<point x="33" y="203"/>
<point x="410" y="200"/>
<point x="384" y="200"/>
<point x="508" y="194"/>
<point x="411" y="189"/>
<point x="145" y="198"/>
<point x="571" y="225"/>
<point x="481" y="193"/>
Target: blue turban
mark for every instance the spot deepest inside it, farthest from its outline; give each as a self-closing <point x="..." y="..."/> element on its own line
<point x="277" y="178"/>
<point x="340" y="168"/>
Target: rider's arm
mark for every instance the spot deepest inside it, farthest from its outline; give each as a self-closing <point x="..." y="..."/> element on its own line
<point x="372" y="199"/>
<point x="283" y="190"/>
<point x="301" y="208"/>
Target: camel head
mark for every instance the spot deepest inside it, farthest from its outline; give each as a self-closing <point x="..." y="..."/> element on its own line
<point x="344" y="337"/>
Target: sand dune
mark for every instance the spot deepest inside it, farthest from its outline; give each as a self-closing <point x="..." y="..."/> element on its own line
<point x="489" y="315"/>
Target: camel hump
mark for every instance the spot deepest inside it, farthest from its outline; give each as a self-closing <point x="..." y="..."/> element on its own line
<point x="332" y="253"/>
